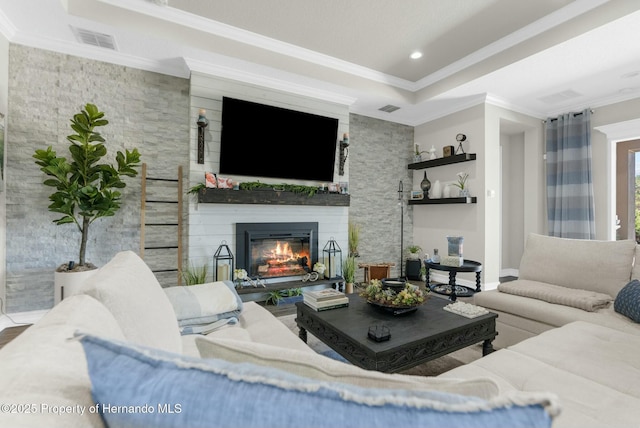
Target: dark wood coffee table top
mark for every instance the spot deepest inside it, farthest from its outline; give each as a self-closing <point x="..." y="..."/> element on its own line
<point x="417" y="337"/>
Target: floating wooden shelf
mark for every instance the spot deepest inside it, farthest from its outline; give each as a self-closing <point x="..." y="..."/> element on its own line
<point x="271" y="197"/>
<point x="441" y="201"/>
<point x="465" y="157"/>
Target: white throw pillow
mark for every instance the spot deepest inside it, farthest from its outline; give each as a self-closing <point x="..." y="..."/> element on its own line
<point x="128" y="288"/>
<point x="600" y="266"/>
<point x="319" y="367"/>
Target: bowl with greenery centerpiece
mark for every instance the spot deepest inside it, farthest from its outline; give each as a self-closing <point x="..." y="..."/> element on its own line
<point x="393" y="300"/>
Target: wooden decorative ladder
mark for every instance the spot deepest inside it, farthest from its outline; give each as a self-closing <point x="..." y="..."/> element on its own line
<point x="161" y="226"/>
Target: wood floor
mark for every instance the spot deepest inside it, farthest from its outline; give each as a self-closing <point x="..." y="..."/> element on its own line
<point x="10" y="333"/>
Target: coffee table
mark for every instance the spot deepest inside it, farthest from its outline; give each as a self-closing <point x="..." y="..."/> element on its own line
<point x="416" y="337"/>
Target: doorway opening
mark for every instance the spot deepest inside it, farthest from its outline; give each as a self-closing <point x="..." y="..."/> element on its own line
<point x="627" y="188"/>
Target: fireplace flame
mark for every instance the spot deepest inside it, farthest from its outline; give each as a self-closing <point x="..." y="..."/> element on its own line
<point x="279" y="259"/>
<point x="281" y="252"/>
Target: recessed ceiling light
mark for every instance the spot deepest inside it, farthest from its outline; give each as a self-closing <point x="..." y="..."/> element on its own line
<point x="416" y="55"/>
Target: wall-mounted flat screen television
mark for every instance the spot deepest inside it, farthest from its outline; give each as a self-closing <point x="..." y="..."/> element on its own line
<point x="258" y="140"/>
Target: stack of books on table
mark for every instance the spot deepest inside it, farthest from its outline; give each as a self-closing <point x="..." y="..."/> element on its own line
<point x="323" y="300"/>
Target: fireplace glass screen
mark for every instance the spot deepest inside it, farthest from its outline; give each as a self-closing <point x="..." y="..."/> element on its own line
<point x="269" y="250"/>
<point x="280" y="257"/>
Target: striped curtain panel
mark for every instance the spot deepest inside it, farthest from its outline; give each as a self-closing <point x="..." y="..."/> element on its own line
<point x="570" y="206"/>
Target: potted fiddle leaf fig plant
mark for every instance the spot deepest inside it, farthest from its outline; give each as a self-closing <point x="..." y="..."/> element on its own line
<point x="84" y="188"/>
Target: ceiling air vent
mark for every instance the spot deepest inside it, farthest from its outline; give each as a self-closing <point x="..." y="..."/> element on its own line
<point x="389" y="108"/>
<point x="560" y="97"/>
<point x="89" y="37"/>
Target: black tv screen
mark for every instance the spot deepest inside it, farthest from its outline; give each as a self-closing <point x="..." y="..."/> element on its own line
<point x="258" y="140"/>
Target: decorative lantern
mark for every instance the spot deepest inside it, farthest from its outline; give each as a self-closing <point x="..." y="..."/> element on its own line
<point x="223" y="263"/>
<point x="332" y="256"/>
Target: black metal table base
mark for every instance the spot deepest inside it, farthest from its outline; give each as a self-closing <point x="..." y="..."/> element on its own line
<point x="445" y="289"/>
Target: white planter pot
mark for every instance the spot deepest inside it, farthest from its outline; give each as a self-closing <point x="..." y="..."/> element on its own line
<point x="413" y="256"/>
<point x="66" y="284"/>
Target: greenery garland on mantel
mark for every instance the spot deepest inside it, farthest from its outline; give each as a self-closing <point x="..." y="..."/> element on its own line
<point x="256" y="185"/>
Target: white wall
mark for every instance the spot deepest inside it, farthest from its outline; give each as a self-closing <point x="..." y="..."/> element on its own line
<point x="210" y="224"/>
<point x="480" y="224"/>
<point x="433" y="223"/>
<point x="532" y="214"/>
<point x="512" y="202"/>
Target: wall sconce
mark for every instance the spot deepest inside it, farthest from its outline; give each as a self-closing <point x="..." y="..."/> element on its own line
<point x="344" y="152"/>
<point x="202" y="123"/>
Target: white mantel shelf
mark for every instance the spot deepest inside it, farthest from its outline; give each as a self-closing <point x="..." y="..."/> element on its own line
<point x="271" y="197"/>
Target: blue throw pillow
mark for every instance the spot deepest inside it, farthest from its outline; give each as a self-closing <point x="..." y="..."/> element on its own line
<point x="627" y="301"/>
<point x="138" y="386"/>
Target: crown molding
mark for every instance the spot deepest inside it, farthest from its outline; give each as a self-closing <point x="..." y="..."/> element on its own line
<point x="7" y="29"/>
<point x="546" y="23"/>
<point x="211" y="27"/>
<point x="500" y="102"/>
<point x="621" y="131"/>
<point x="176" y="68"/>
<point x="245" y="76"/>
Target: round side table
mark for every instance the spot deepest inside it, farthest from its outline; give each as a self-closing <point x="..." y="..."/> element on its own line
<point x="467" y="266"/>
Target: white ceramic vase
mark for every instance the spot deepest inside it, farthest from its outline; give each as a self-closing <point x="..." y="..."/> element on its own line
<point x="436" y="190"/>
<point x="446" y="192"/>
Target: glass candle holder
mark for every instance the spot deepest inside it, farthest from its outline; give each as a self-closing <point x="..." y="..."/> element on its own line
<point x="454" y="246"/>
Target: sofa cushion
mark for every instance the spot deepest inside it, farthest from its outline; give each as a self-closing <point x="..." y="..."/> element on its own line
<point x="585" y="403"/>
<point x="582" y="299"/>
<point x="200" y="307"/>
<point x="319" y="367"/>
<point x="627" y="302"/>
<point x="257" y="324"/>
<point x="604" y="355"/>
<point x="525" y="309"/>
<point x="188" y="392"/>
<point x="601" y="266"/>
<point x="593" y="369"/>
<point x="44" y="368"/>
<point x="128" y="288"/>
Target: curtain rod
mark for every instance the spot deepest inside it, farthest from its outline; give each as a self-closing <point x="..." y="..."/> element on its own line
<point x="574" y="115"/>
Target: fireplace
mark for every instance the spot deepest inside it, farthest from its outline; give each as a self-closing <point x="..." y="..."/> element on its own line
<point x="270" y="250"/>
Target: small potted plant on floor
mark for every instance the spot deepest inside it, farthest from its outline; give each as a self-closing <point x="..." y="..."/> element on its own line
<point x="85" y="189"/>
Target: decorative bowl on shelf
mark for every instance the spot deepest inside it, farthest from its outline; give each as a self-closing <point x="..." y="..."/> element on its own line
<point x="396" y="284"/>
<point x="395" y="297"/>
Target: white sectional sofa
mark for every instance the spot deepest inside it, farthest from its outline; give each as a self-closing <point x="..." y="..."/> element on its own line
<point x="566" y="277"/>
<point x="93" y="344"/>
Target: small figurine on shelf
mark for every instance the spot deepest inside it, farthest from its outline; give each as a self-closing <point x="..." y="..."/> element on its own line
<point x="432" y="153"/>
<point x="460" y="138"/>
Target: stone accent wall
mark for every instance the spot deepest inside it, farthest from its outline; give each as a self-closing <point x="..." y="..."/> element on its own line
<point x="379" y="153"/>
<point x="146" y="110"/>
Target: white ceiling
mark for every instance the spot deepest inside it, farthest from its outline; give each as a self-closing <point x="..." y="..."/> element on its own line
<point x="542" y="57"/>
